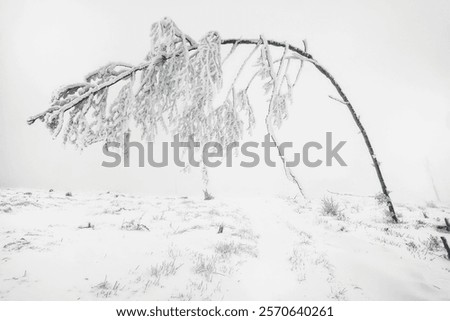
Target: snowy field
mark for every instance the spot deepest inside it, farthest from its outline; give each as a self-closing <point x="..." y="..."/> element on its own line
<point x="127" y="247"/>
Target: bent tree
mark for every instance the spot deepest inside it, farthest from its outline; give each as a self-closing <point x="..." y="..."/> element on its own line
<point x="175" y="89"/>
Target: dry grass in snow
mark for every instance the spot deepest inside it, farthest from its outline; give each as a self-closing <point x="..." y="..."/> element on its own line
<point x="113" y="246"/>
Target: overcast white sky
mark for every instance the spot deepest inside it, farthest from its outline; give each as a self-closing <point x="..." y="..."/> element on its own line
<point x="391" y="57"/>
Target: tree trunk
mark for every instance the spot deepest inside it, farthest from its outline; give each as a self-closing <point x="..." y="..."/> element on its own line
<point x="375" y="161"/>
<point x="444" y="240"/>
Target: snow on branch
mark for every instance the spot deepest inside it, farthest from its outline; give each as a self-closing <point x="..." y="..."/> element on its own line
<point x="277" y="110"/>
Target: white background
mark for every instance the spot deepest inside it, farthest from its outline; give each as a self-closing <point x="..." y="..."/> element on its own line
<point x="107" y="310"/>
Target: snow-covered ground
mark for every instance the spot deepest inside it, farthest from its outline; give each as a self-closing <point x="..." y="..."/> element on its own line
<point x="129" y="247"/>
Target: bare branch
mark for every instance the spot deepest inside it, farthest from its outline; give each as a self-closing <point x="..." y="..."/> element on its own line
<point x="338" y="100"/>
<point x="305" y="46"/>
<point x="275" y="91"/>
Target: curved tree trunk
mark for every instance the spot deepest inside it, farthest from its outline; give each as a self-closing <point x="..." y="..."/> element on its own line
<point x="375" y="161"/>
<point x="235" y="42"/>
<point x="345" y="101"/>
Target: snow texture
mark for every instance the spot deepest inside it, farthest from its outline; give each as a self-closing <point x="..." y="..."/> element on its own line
<point x="97" y="246"/>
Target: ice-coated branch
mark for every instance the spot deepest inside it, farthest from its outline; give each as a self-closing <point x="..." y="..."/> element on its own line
<point x="107" y="68"/>
<point x="89" y="93"/>
<point x="277" y="78"/>
<point x="305" y="46"/>
<point x="96" y="88"/>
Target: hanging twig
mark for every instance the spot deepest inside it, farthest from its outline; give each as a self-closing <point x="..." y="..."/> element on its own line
<point x="305" y="46"/>
<point x="276" y="84"/>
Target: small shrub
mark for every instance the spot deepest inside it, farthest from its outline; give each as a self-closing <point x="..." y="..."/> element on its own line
<point x="431" y="204"/>
<point x="134" y="225"/>
<point x="411" y="246"/>
<point x="245" y="234"/>
<point x="338" y="294"/>
<point x="165" y="268"/>
<point x="208" y="196"/>
<point x="433" y="244"/>
<point x="89" y="225"/>
<point x="226" y="249"/>
<point x="5" y="209"/>
<point x="106" y="289"/>
<point x="206" y="266"/>
<point x="381" y="199"/>
<point x="420" y="224"/>
<point x="331" y="208"/>
<point x="69" y="194"/>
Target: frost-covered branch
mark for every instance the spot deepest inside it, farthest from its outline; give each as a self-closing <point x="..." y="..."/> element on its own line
<point x="277" y="78"/>
<point x="89" y="93"/>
